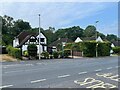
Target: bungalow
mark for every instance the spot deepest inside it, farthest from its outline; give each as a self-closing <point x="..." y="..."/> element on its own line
<point x="54" y="46"/>
<point x="99" y="39"/>
<point x="78" y="40"/>
<point x="25" y="38"/>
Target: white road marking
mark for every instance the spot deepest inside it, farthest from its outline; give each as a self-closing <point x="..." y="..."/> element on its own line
<point x="14" y="71"/>
<point x="6" y="86"/>
<point x="117" y="66"/>
<point x="82" y="73"/>
<point x="35" y="81"/>
<point x="29" y="64"/>
<point x="109" y="68"/>
<point x="63" y="76"/>
<point x="98" y="70"/>
<point x="39" y="63"/>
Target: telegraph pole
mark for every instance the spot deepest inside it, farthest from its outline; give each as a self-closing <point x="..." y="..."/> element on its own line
<point x="39" y="39"/>
<point x="96" y="38"/>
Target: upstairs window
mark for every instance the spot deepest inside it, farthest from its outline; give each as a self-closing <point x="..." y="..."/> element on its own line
<point x="32" y="40"/>
<point x="42" y="39"/>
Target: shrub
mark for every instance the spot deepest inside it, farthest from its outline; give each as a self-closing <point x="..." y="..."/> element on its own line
<point x="104" y="48"/>
<point x="25" y="53"/>
<point x="45" y="54"/>
<point x="55" y="54"/>
<point x="89" y="49"/>
<point x="116" y="50"/>
<point x="15" y="52"/>
<point x="9" y="48"/>
<point x="67" y="52"/>
<point x="32" y="50"/>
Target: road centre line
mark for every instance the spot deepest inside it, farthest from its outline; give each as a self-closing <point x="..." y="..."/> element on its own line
<point x="63" y="76"/>
<point x="82" y="73"/>
<point x="6" y="86"/>
<point x="98" y="70"/>
<point x="109" y="67"/>
<point x="41" y="80"/>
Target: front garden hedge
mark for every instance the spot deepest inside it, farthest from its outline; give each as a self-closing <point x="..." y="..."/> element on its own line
<point x="89" y="48"/>
<point x="15" y="52"/>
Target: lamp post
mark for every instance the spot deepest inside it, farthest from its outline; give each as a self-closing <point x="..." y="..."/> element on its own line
<point x="96" y="38"/>
<point x="39" y="39"/>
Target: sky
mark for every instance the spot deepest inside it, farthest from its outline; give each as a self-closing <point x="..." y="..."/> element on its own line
<point x="65" y="14"/>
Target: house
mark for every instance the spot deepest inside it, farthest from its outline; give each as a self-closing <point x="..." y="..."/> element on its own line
<point x="54" y="46"/>
<point x="99" y="39"/>
<point x="78" y="40"/>
<point x="25" y="38"/>
<point x="115" y="43"/>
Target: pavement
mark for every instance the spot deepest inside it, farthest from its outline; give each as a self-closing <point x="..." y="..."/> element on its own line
<point x="99" y="72"/>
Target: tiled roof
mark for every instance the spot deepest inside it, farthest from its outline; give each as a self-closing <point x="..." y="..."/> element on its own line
<point x="60" y="40"/>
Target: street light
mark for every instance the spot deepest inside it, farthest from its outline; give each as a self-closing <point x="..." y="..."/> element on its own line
<point x="96" y="38"/>
<point x="39" y="39"/>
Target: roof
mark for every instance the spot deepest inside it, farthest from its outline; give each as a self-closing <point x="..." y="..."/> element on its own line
<point x="116" y="43"/>
<point x="24" y="34"/>
<point x="25" y="39"/>
<point x="60" y="40"/>
<point x="99" y="39"/>
<point x="78" y="40"/>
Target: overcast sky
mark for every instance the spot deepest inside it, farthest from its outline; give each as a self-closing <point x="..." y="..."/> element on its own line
<point x="65" y="14"/>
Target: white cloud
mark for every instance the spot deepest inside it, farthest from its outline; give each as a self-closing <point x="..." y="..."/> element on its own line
<point x="57" y="15"/>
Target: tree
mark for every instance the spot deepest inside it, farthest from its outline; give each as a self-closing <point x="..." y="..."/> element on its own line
<point x="20" y="26"/>
<point x="71" y="33"/>
<point x="111" y="37"/>
<point x="90" y="31"/>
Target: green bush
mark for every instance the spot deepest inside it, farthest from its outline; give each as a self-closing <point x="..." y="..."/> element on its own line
<point x="9" y="49"/>
<point x="45" y="54"/>
<point x="55" y="54"/>
<point x="67" y="52"/>
<point x="25" y="53"/>
<point x="15" y="52"/>
<point x="89" y="49"/>
<point x="32" y="50"/>
<point x="104" y="48"/>
<point x="116" y="50"/>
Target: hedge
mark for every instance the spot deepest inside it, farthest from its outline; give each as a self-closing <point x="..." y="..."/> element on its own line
<point x="116" y="50"/>
<point x="89" y="48"/>
<point x="104" y="48"/>
<point x="15" y="52"/>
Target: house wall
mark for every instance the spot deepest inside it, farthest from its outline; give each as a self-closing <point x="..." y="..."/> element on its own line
<point x="24" y="47"/>
<point x="42" y="36"/>
<point x="15" y="42"/>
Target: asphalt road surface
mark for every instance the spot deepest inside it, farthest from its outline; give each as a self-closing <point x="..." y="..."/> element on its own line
<point x="62" y="73"/>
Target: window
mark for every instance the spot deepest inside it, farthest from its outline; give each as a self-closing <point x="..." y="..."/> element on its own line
<point x="42" y="39"/>
<point x="32" y="40"/>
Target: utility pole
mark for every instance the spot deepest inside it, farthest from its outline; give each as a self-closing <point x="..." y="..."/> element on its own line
<point x="39" y="39"/>
<point x="96" y="38"/>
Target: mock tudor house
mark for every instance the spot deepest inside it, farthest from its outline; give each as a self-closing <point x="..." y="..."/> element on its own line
<point x="25" y="38"/>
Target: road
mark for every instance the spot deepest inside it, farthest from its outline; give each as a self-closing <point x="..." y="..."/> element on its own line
<point x="61" y="73"/>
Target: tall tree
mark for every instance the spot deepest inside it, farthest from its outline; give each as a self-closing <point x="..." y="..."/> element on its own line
<point x="111" y="37"/>
<point x="90" y="31"/>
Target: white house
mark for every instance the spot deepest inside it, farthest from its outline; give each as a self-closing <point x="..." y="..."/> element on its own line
<point x="78" y="40"/>
<point x="25" y="38"/>
<point x="99" y="39"/>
